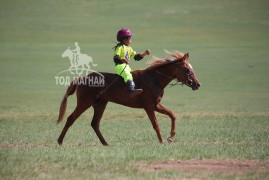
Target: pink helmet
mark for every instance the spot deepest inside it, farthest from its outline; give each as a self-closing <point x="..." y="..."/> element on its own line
<point x="123" y="33"/>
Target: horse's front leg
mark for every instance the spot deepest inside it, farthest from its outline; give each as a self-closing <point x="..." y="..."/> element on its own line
<point x="77" y="68"/>
<point x="154" y="122"/>
<point x="163" y="110"/>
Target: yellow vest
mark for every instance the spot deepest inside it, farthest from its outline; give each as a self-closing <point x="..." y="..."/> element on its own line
<point x="124" y="52"/>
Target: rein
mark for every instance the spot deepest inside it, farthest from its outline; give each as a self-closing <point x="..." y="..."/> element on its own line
<point x="169" y="77"/>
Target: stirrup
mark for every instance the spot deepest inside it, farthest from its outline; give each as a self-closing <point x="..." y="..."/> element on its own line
<point x="136" y="92"/>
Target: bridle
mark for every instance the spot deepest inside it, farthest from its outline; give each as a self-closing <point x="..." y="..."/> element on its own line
<point x="188" y="82"/>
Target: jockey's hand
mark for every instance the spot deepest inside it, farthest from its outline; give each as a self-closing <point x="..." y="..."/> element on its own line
<point x="147" y="52"/>
<point x="125" y="61"/>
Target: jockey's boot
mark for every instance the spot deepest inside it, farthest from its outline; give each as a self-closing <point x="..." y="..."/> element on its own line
<point x="131" y="86"/>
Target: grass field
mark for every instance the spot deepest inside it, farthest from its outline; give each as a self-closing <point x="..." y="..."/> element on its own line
<point x="227" y="118"/>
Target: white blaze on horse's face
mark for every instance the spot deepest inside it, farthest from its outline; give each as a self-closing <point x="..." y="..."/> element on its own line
<point x="190" y="66"/>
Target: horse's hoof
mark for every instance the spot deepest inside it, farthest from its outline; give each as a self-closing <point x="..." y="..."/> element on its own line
<point x="169" y="140"/>
<point x="60" y="142"/>
<point x="104" y="143"/>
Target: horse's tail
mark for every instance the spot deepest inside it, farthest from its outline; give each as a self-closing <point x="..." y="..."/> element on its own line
<point x="70" y="90"/>
<point x="92" y="62"/>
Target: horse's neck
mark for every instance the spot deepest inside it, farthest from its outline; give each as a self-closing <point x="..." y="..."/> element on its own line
<point x="164" y="75"/>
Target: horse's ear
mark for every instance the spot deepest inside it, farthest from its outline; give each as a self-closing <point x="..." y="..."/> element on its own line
<point x="186" y="57"/>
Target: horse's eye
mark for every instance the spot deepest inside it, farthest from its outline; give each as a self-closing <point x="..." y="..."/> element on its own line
<point x="188" y="71"/>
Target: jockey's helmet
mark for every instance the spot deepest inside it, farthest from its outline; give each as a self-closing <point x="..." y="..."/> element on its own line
<point x="123" y="33"/>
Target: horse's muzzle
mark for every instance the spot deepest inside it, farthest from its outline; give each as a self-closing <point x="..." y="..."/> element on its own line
<point x="195" y="86"/>
<point x="192" y="84"/>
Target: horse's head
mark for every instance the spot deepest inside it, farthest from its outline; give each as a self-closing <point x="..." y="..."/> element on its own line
<point x="178" y="68"/>
<point x="185" y="72"/>
<point x="67" y="53"/>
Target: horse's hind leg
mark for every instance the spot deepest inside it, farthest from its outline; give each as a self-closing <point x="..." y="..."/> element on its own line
<point x="163" y="110"/>
<point x="99" y="108"/>
<point x="71" y="119"/>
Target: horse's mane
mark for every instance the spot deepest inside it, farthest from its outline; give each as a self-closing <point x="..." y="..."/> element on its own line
<point x="156" y="62"/>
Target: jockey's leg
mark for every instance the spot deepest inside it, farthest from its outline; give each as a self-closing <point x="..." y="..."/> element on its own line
<point x="132" y="89"/>
<point x="125" y="72"/>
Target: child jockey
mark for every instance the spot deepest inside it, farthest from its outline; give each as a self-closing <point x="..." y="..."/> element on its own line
<point x="122" y="54"/>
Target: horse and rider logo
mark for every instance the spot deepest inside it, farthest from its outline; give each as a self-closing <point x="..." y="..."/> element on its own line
<point x="79" y="62"/>
<point x="79" y="65"/>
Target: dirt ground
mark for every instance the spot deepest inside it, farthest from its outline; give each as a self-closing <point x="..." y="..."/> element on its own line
<point x="208" y="165"/>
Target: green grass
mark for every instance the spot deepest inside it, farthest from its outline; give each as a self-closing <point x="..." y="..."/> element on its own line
<point x="226" y="118"/>
<point x="29" y="149"/>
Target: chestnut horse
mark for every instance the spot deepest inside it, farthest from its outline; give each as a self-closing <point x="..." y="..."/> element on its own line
<point x="152" y="80"/>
